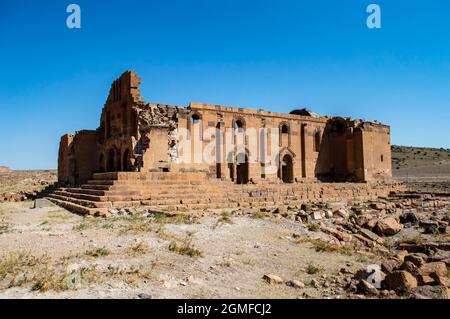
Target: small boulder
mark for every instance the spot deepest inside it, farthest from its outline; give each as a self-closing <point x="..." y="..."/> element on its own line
<point x="317" y="215"/>
<point x="417" y="259"/>
<point x="390" y="265"/>
<point x="295" y="284"/>
<point x="434" y="268"/>
<point x="342" y="212"/>
<point x="366" y="288"/>
<point x="272" y="279"/>
<point x="371" y="223"/>
<point x="430" y="227"/>
<point x="328" y="214"/>
<point x="410" y="267"/>
<point x="378" y="206"/>
<point x="408" y="217"/>
<point x="430" y="292"/>
<point x="400" y="280"/>
<point x="388" y="226"/>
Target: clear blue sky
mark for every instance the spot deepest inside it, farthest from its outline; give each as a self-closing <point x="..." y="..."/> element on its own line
<point x="276" y="55"/>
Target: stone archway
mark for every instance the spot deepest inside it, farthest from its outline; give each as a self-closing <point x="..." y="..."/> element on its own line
<point x="242" y="171"/>
<point x="287" y="170"/>
<point x="101" y="164"/>
<point x="126" y="165"/>
<point x="111" y="161"/>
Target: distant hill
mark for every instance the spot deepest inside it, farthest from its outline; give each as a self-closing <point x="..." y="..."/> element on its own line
<point x="408" y="161"/>
<point x="4" y="169"/>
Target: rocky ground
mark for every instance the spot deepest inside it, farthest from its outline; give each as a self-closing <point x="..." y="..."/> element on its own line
<point x="418" y="163"/>
<point x="394" y="247"/>
<point x="22" y="185"/>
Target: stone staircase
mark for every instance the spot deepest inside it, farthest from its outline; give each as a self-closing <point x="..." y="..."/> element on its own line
<point x="193" y="191"/>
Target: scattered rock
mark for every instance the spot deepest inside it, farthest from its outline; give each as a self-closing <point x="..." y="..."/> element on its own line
<point x="295" y="284"/>
<point x="388" y="226"/>
<point x="317" y="215"/>
<point x="272" y="279"/>
<point x="434" y="268"/>
<point x="371" y="223"/>
<point x="367" y="289"/>
<point x="430" y="292"/>
<point x="144" y="296"/>
<point x="336" y="233"/>
<point x="430" y="227"/>
<point x="417" y="259"/>
<point x="399" y="280"/>
<point x="378" y="206"/>
<point x="342" y="212"/>
<point x="390" y="265"/>
<point x="408" y="217"/>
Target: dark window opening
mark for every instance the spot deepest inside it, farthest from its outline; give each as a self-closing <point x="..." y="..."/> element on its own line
<point x="317" y="141"/>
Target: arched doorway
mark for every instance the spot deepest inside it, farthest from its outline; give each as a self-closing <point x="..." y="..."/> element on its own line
<point x="218" y="151"/>
<point x="111" y="161"/>
<point x="126" y="161"/>
<point x="231" y="171"/>
<point x="101" y="164"/>
<point x="119" y="160"/>
<point x="287" y="171"/>
<point x="242" y="172"/>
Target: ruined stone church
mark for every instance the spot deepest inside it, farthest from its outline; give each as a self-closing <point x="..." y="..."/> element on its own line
<point x="136" y="150"/>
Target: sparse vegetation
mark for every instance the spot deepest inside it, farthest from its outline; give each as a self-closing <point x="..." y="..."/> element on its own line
<point x="259" y="214"/>
<point x="185" y="248"/>
<point x="140" y="248"/>
<point x="80" y="226"/>
<point x="313" y="227"/>
<point x="322" y="246"/>
<point x="162" y="218"/>
<point x="98" y="252"/>
<point x="312" y="268"/>
<point x="135" y="225"/>
<point x="5" y="227"/>
<point x="224" y="218"/>
<point x="412" y="239"/>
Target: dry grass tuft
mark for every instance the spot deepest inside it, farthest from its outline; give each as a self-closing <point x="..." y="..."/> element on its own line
<point x="312" y="268"/>
<point x="98" y="252"/>
<point x="138" y="249"/>
<point x="185" y="248"/>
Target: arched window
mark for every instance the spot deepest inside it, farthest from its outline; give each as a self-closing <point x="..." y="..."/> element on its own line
<point x="239" y="124"/>
<point x="317" y="141"/>
<point x="196" y="124"/>
<point x="195" y="119"/>
<point x="285" y="139"/>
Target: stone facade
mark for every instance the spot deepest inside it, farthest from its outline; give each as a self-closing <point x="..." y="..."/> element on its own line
<point x="135" y="136"/>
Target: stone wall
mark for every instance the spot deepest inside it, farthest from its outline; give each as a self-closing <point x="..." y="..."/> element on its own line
<point x="137" y="136"/>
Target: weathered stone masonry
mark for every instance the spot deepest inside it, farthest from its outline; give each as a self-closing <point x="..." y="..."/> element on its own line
<point x="141" y="138"/>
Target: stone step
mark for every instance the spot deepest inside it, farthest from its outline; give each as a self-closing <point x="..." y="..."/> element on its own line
<point x="81" y="202"/>
<point x="174" y="176"/>
<point x="102" y="192"/>
<point x="79" y="209"/>
<point x="68" y="193"/>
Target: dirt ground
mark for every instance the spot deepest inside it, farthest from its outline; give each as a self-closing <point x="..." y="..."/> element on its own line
<point x="127" y="257"/>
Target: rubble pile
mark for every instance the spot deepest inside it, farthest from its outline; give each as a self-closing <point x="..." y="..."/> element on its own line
<point x="408" y="232"/>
